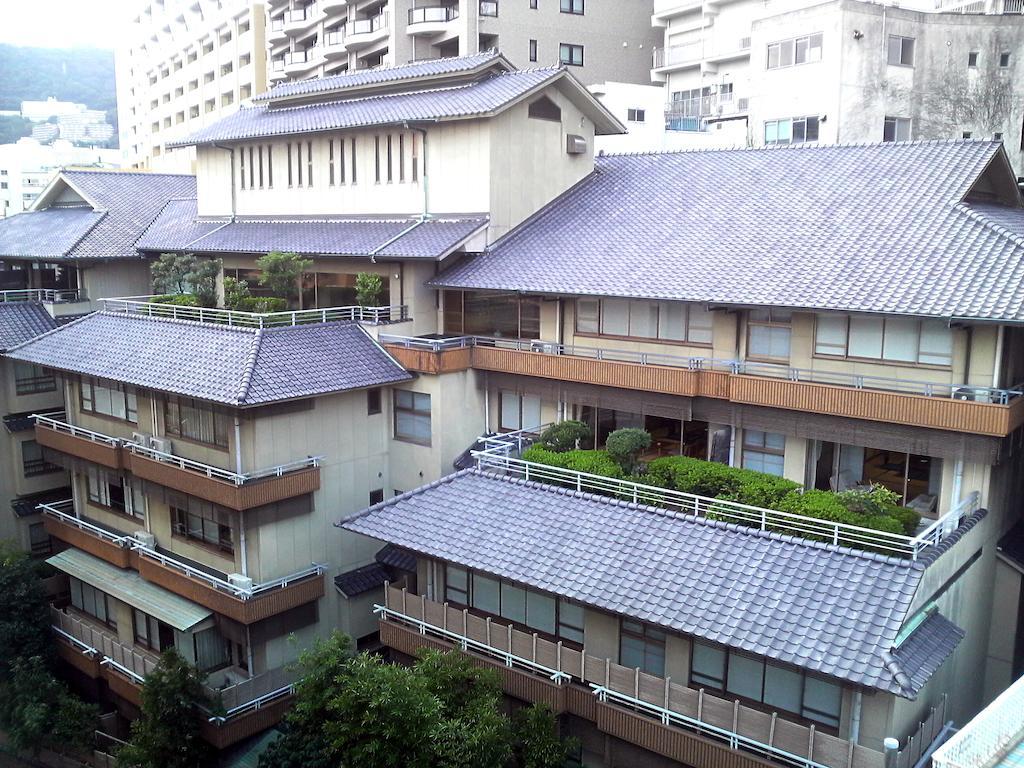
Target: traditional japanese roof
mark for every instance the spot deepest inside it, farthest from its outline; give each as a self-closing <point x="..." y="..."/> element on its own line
<point x="910" y="228"/>
<point x="178" y="228"/>
<point x="921" y="654"/>
<point x="359" y="581"/>
<point x="108" y="212"/>
<point x="347" y="82"/>
<point x="827" y="609"/>
<point x="21" y="321"/>
<point x="480" y="98"/>
<point x="219" y="363"/>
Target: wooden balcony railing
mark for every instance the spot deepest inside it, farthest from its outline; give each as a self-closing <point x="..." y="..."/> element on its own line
<point x="242" y="710"/>
<point x="60" y="522"/>
<point x="678" y="722"/>
<point x="238" y="491"/>
<point x="958" y="408"/>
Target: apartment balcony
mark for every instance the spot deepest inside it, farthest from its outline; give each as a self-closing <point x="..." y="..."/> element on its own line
<point x="300" y="62"/>
<point x="362" y="33"/>
<point x="250" y="706"/>
<point x="957" y="408"/>
<point x="238" y="491"/>
<point x="238" y="599"/>
<point x="676" y="58"/>
<point x="277" y="72"/>
<point x="723" y="49"/>
<point x="43" y="296"/>
<point x="672" y="720"/>
<point x="141" y="305"/>
<point x="298" y="21"/>
<point x="431" y="20"/>
<point x="333" y="6"/>
<point x="275" y="31"/>
<point x="334" y="45"/>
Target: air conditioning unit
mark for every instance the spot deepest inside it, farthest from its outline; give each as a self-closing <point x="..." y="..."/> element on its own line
<point x="972" y="394"/>
<point x="140" y="438"/>
<point x="161" y="444"/>
<point x="146" y="539"/>
<point x="575" y="144"/>
<point x="240" y="581"/>
<point x="547" y="347"/>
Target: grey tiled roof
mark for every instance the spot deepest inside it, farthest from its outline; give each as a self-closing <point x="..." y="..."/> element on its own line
<point x="361" y="580"/>
<point x="479" y="98"/>
<point x="123" y="204"/>
<point x="396" y="557"/>
<point x="231" y="365"/>
<point x="379" y="75"/>
<point x="820" y="607"/>
<point x="21" y="321"/>
<point x="177" y="229"/>
<point x="921" y="654"/>
<point x="874" y="228"/>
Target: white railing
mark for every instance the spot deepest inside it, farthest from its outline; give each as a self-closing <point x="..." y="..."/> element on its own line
<point x="516" y="441"/>
<point x="366" y="26"/>
<point x="140" y="305"/>
<point x="254" y="692"/>
<point x="335" y="36"/>
<point x="435" y="13"/>
<point x="992" y="731"/>
<point x="316" y="569"/>
<point x="678" y="54"/>
<point x="994" y="395"/>
<point x="70" y="429"/>
<point x="59" y="511"/>
<point x="47" y="295"/>
<point x="840" y="534"/>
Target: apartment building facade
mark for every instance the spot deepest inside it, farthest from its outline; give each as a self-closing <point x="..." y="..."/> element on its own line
<point x="841" y="72"/>
<point x="523" y="288"/>
<point x="183" y="65"/>
<point x="27" y="166"/>
<point x="598" y="40"/>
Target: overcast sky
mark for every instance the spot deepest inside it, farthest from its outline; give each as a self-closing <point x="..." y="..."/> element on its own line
<point x="63" y="23"/>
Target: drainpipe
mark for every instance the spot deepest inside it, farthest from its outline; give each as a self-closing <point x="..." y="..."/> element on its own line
<point x="248" y="650"/>
<point x="231" y="151"/>
<point x="241" y="518"/>
<point x="487" y="404"/>
<point x="732" y="444"/>
<point x="892" y="747"/>
<point x="858" y="698"/>
<point x="1000" y="339"/>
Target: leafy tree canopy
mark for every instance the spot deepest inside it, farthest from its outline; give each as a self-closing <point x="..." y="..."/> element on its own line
<point x="24" y="615"/>
<point x="280" y="272"/>
<point x="179" y="273"/>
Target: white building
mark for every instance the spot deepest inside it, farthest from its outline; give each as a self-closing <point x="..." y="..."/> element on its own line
<point x="181" y="66"/>
<point x="40" y="111"/>
<point x="27" y="167"/>
<point x="843" y="70"/>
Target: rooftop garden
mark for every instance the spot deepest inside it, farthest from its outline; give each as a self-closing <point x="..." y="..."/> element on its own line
<point x="875" y="509"/>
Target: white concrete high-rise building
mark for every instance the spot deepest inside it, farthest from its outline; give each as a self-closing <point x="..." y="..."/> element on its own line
<point x="182" y="65"/>
<point x="27" y="166"/>
<point x="843" y="71"/>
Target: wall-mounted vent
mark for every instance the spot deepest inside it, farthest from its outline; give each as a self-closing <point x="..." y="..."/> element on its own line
<point x="575" y="145"/>
<point x="742" y="104"/>
<point x="744" y="43"/>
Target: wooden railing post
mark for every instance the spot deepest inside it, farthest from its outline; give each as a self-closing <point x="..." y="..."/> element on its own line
<point x="771" y="730"/>
<point x="810" y="742"/>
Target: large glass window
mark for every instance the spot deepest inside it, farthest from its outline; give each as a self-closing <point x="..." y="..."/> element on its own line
<point x="901" y="50"/>
<point x="107" y="489"/>
<point x="791" y="130"/>
<point x="30" y="379"/>
<point x="764" y="451"/>
<point x="768" y="334"/>
<point x="412" y="416"/>
<point x="501" y="315"/>
<point x="109" y="399"/>
<point x="896" y="339"/>
<point x="896" y="129"/>
<point x="195" y="420"/>
<point x="797" y="50"/>
<point x="151" y="632"/>
<point x="519" y="411"/>
<point x="201" y="522"/>
<point x="91" y="601"/>
<point x="643" y="646"/>
<point x="783" y="688"/>
<point x="641" y="319"/>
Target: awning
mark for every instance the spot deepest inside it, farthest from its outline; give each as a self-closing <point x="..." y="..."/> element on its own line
<point x="131" y="588"/>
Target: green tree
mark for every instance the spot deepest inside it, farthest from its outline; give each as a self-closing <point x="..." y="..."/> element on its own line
<point x="280" y="272"/>
<point x="166" y="734"/>
<point x="235" y="291"/>
<point x="369" y="289"/>
<point x="625" y="446"/>
<point x="536" y="741"/>
<point x="170" y="272"/>
<point x="565" y="436"/>
<point x="24" y="614"/>
<point x="37" y="712"/>
<point x="203" y="279"/>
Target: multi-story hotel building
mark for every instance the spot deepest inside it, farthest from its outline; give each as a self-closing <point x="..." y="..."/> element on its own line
<point x="599" y="40"/>
<point x="773" y="310"/>
<point x="181" y="65"/>
<point x="842" y="71"/>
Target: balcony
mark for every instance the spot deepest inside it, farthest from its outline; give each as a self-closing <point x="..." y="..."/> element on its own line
<point x="334" y="44"/>
<point x="238" y="491"/>
<point x="299" y="20"/>
<point x="139" y="305"/>
<point x="277" y="69"/>
<point x="250" y="706"/>
<point x="362" y="33"/>
<point x="330" y="6"/>
<point x="275" y="31"/>
<point x="43" y="295"/>
<point x="678" y="722"/>
<point x="675" y="58"/>
<point x="298" y="62"/>
<point x="953" y="407"/>
<point x="244" y="602"/>
<point x="431" y="20"/>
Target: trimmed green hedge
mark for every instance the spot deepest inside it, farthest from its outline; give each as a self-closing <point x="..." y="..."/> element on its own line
<point x="261" y="304"/>
<point x="875" y="510"/>
<point x="177" y="299"/>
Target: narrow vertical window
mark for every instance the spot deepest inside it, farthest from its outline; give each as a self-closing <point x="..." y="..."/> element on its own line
<point x="415" y="161"/>
<point x="252" y="170"/>
<point x="330" y="162"/>
<point x="376" y="158"/>
<point x="390" y="164"/>
<point x="401" y="157"/>
<point x="241" y="163"/>
<point x="270" y="166"/>
<point x="341" y="161"/>
<point x="288" y="148"/>
<point x="260" y="154"/>
<point x="298" y="160"/>
<point x="354" y="178"/>
<point x="309" y="163"/>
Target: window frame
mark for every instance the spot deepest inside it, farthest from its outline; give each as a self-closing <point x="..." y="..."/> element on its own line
<point x="572" y="7"/>
<point x="770" y="323"/>
<point x="648" y="636"/>
<point x="174" y="426"/>
<point x="762" y="448"/>
<point x="686" y="341"/>
<point x="916" y="363"/>
<point x="374" y="401"/>
<point x="901" y="54"/>
<point x="412" y="412"/>
<point x="896" y="122"/>
<point x="128" y="393"/>
<point x="571" y="49"/>
<point x="792" y="45"/>
<point x="36" y="466"/>
<point x="37" y="382"/>
<point x="183" y="507"/>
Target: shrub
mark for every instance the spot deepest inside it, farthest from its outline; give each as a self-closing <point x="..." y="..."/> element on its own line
<point x="592" y="462"/>
<point x="908" y="518"/>
<point x="761" y="490"/>
<point x="178" y="299"/>
<point x="565" y="436"/>
<point x="235" y="291"/>
<point x="261" y="304"/>
<point x="625" y="446"/>
<point x="823" y="505"/>
<point x="369" y="288"/>
<point x="879" y="502"/>
<point x="704" y="478"/>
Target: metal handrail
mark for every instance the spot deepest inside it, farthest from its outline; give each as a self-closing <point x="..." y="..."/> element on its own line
<point x="70" y="429"/>
<point x="106" y="661"/>
<point x="316" y="569"/>
<point x="48" y="295"/>
<point x="996" y="395"/>
<point x="367" y="26"/>
<point x="468" y="643"/>
<point x="141" y="305"/>
<point x="57" y="510"/>
<point x="256" y="703"/>
<point x="433" y="13"/>
<point x="680" y="502"/>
